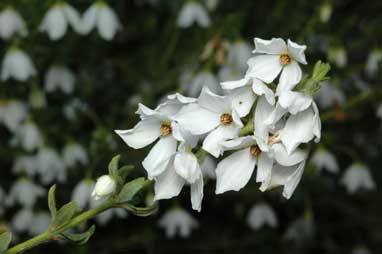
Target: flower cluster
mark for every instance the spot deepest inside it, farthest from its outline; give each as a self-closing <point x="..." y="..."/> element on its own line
<point x="255" y="122"/>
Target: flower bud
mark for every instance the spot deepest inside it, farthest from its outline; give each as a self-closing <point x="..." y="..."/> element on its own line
<point x="105" y="186"/>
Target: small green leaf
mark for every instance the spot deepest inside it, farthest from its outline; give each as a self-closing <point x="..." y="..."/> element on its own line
<point x="125" y="171"/>
<point x="142" y="211"/>
<point x="5" y="240"/>
<point x="113" y="165"/>
<point x="63" y="216"/>
<point x="52" y="201"/>
<point x="79" y="238"/>
<point x="130" y="189"/>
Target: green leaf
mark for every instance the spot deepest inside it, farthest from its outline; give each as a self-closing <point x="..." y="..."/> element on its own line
<point x="142" y="211"/>
<point x="79" y="238"/>
<point x="125" y="171"/>
<point x="5" y="240"/>
<point x="52" y="201"/>
<point x="64" y="215"/>
<point x="130" y="189"/>
<point x="113" y="166"/>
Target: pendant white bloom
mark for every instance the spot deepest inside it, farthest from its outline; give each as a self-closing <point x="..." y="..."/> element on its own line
<point x="357" y="177"/>
<point x="323" y="159"/>
<point x="238" y="54"/>
<point x="105" y="186"/>
<point x="212" y="114"/>
<point x="11" y="23"/>
<point x="261" y="215"/>
<point x="329" y="96"/>
<point x="28" y="136"/>
<point x="22" y="220"/>
<point x="74" y="153"/>
<point x="100" y="15"/>
<point x="13" y="113"/>
<point x="59" y="78"/>
<point x="177" y="221"/>
<point x="40" y="223"/>
<point x="17" y="65"/>
<point x="200" y="80"/>
<point x="25" y="193"/>
<point x="193" y="12"/>
<point x="56" y="21"/>
<point x="371" y="67"/>
<point x="275" y="56"/>
<point x="50" y="166"/>
<point x="338" y="56"/>
<point x="82" y="193"/>
<point x="26" y="164"/>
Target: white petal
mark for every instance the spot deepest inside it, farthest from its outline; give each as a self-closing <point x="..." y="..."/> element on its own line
<point x="89" y="19"/>
<point x="238" y="143"/>
<point x="264" y="67"/>
<point x="197" y="194"/>
<point x="242" y="100"/>
<point x="201" y="16"/>
<point x="262" y="112"/>
<point x="264" y="167"/>
<point x="297" y="51"/>
<point x="212" y="143"/>
<point x="73" y="17"/>
<point x="290" y="76"/>
<point x="143" y="134"/>
<point x="230" y="85"/>
<point x="168" y="184"/>
<point x="196" y="119"/>
<point x="107" y="23"/>
<point x="284" y="159"/>
<point x="276" y="46"/>
<point x="213" y="102"/>
<point x="294" y="101"/>
<point x="234" y="172"/>
<point x="54" y="23"/>
<point x="260" y="88"/>
<point x="186" y="165"/>
<point x="158" y="158"/>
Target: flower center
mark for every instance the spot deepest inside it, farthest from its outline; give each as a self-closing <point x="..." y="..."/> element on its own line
<point x="273" y="139"/>
<point x="165" y="129"/>
<point x="255" y="151"/>
<point x="285" y="59"/>
<point x="225" y="119"/>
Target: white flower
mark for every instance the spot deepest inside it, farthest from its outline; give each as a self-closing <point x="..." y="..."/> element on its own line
<point x="13" y="113"/>
<point x="50" y="166"/>
<point x="338" y="56"/>
<point x="379" y="111"/>
<point x="56" y="21"/>
<point x="25" y="193"/>
<point x="329" y="95"/>
<point x="323" y="159"/>
<point x="22" y="220"/>
<point x="39" y="223"/>
<point x="356" y="177"/>
<point x="28" y="136"/>
<point x="193" y="12"/>
<point x="201" y="80"/>
<point x="25" y="164"/>
<point x="371" y="67"/>
<point x="82" y="193"/>
<point x="156" y="124"/>
<point x="275" y="56"/>
<point x="177" y="221"/>
<point x="261" y="215"/>
<point x="212" y="114"/>
<point x="105" y="186"/>
<point x="17" y="65"/>
<point x="74" y="153"/>
<point x="100" y="15"/>
<point x="326" y="10"/>
<point x="238" y="54"/>
<point x="11" y="23"/>
<point x="59" y="78"/>
<point x="73" y="108"/>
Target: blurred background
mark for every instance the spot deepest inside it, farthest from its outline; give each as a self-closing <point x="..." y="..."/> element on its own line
<point x="74" y="71"/>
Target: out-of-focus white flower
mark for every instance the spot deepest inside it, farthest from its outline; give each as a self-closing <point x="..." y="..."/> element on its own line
<point x="22" y="220"/>
<point x="228" y="72"/>
<point x="108" y="215"/>
<point x="39" y="223"/>
<point x="25" y="193"/>
<point x="59" y="78"/>
<point x="100" y="15"/>
<point x="193" y="12"/>
<point x="361" y="250"/>
<point x="208" y="167"/>
<point x="13" y="113"/>
<point x="212" y="114"/>
<point x="74" y="153"/>
<point x="338" y="56"/>
<point x="261" y="215"/>
<point x="326" y="10"/>
<point x="56" y="21"/>
<point x="212" y="4"/>
<point x="105" y="186"/>
<point x="17" y="65"/>
<point x="74" y="108"/>
<point x="357" y="177"/>
<point x="373" y="60"/>
<point x="301" y="229"/>
<point x="329" y="95"/>
<point x="50" y="166"/>
<point x="28" y="136"/>
<point x="25" y="164"/>
<point x="82" y="193"/>
<point x="177" y="221"/>
<point x="11" y="23"/>
<point x="275" y="56"/>
<point x="200" y="80"/>
<point x="238" y="54"/>
<point x="323" y="159"/>
<point x="379" y="111"/>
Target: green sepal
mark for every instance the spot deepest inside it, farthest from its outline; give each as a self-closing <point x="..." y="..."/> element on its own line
<point x="130" y="189"/>
<point x="141" y="211"/>
<point x="113" y="166"/>
<point x="64" y="215"/>
<point x="52" y="201"/>
<point x="79" y="238"/>
<point x="125" y="171"/>
<point x="5" y="240"/>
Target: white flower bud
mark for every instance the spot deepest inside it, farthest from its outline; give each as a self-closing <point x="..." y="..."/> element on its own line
<point x="105" y="186"/>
